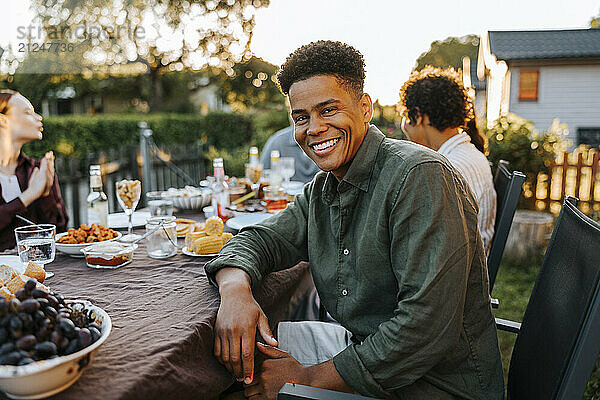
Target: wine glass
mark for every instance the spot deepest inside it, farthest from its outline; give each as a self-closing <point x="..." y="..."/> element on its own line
<point x="253" y="173"/>
<point x="286" y="166"/>
<point x="128" y="194"/>
<point x="36" y="243"/>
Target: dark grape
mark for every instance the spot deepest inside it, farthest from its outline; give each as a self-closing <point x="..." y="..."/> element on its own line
<point x="39" y="316"/>
<point x="85" y="337"/>
<point x="11" y="358"/>
<point x="16" y="324"/>
<point x="3" y="306"/>
<point x="21" y="294"/>
<point x="5" y="320"/>
<point x="30" y="285"/>
<point x="39" y="294"/>
<point x="53" y="302"/>
<point x="28" y="324"/>
<point x="43" y="302"/>
<point x="59" y="298"/>
<point x="51" y="312"/>
<point x="25" y="361"/>
<point x="64" y="315"/>
<point x="45" y="349"/>
<point x="7" y="348"/>
<point x="72" y="347"/>
<point x="67" y="328"/>
<point x="3" y="335"/>
<point x="30" y="306"/>
<point x="95" y="333"/>
<point x="27" y="342"/>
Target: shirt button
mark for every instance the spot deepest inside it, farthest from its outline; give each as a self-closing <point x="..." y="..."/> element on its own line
<point x="346" y="252"/>
<point x="344" y="292"/>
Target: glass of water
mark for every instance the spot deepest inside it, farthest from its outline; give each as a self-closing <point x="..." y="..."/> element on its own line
<point x="286" y="166"/>
<point x="159" y="204"/>
<point x="36" y="243"/>
<point x="163" y="242"/>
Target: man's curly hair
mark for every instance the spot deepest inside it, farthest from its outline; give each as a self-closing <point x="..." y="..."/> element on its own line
<point x="439" y="94"/>
<point x="324" y="57"/>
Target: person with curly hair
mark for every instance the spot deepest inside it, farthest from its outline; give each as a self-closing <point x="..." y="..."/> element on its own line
<point x="438" y="113"/>
<point x="390" y="231"/>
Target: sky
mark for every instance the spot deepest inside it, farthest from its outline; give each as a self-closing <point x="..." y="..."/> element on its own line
<point x="390" y="34"/>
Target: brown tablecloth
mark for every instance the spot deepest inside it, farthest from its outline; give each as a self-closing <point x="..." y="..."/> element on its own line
<point x="163" y="313"/>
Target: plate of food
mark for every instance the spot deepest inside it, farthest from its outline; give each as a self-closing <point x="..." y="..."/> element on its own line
<point x="185" y="226"/>
<point x="207" y="242"/>
<point x="72" y="241"/>
<point x="11" y="265"/>
<point x="242" y="221"/>
<point x="190" y="197"/>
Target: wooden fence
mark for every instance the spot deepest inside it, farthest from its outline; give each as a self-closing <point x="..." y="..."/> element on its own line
<point x="126" y="163"/>
<point x="572" y="174"/>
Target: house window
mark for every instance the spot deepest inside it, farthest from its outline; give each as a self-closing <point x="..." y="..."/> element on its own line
<point x="589" y="136"/>
<point x="528" y="84"/>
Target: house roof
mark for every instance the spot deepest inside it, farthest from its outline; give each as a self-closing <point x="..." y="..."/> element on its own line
<point x="527" y="45"/>
<point x="477" y="83"/>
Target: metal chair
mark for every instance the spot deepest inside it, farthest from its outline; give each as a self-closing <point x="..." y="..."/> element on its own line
<point x="557" y="343"/>
<point x="508" y="187"/>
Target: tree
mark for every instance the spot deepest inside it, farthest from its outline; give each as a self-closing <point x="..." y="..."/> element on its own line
<point x="162" y="35"/>
<point x="449" y="52"/>
<point x="595" y="22"/>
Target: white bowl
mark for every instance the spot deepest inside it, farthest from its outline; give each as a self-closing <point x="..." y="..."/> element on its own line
<point x="74" y="250"/>
<point x="47" y="377"/>
<point x="192" y="202"/>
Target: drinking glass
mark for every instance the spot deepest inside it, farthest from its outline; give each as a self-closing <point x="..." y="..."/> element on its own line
<point x="286" y="166"/>
<point x="128" y="195"/>
<point x="253" y="174"/>
<point x="36" y="243"/>
<point x="163" y="242"/>
<point x="160" y="205"/>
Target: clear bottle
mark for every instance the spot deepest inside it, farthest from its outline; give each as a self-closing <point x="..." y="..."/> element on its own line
<point x="97" y="201"/>
<point x="220" y="191"/>
<point x="276" y="177"/>
<point x="253" y="156"/>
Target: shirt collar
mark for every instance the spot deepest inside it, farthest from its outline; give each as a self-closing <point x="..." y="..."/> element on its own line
<point x="361" y="168"/>
<point x="449" y="145"/>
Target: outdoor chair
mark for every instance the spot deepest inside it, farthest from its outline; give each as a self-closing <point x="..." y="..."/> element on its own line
<point x="557" y="343"/>
<point x="508" y="187"/>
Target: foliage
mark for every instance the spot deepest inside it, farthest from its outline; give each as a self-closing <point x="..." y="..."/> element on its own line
<point x="201" y="32"/>
<point x="251" y="84"/>
<point x="388" y="120"/>
<point x="595" y="22"/>
<point x="266" y="123"/>
<point x="79" y="136"/>
<point x="513" y="139"/>
<point x="449" y="52"/>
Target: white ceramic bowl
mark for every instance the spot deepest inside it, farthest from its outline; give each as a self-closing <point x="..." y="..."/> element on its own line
<point x="192" y="202"/>
<point x="74" y="250"/>
<point x="47" y="377"/>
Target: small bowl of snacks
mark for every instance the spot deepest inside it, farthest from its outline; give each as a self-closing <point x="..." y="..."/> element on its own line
<point x="110" y="255"/>
<point x="48" y="354"/>
<point x="72" y="241"/>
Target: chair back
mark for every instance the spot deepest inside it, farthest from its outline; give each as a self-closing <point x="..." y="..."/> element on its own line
<point x="558" y="345"/>
<point x="508" y="186"/>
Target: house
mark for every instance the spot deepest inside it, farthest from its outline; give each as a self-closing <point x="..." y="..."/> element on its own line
<point x="544" y="75"/>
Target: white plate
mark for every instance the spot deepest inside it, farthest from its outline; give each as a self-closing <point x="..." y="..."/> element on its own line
<point x="120" y="220"/>
<point x="44" y="378"/>
<point x="192" y="254"/>
<point x="242" y="221"/>
<point x="15" y="263"/>
<point x="74" y="250"/>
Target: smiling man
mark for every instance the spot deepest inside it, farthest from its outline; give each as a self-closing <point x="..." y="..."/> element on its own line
<point x="390" y="231"/>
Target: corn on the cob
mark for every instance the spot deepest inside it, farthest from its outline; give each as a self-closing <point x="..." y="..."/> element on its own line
<point x="225" y="237"/>
<point x="208" y="245"/>
<point x="213" y="226"/>
<point x="190" y="237"/>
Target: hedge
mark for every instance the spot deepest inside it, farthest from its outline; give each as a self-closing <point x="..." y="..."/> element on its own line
<point x="79" y="135"/>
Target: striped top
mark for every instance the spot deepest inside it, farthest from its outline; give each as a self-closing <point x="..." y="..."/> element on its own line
<point x="475" y="168"/>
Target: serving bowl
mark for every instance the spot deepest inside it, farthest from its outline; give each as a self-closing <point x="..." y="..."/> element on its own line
<point x="47" y="377"/>
<point x="74" y="250"/>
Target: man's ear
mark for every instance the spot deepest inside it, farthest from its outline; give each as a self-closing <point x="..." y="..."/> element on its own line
<point x="366" y="105"/>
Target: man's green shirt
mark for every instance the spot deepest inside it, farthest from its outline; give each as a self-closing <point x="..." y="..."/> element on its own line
<point x="397" y="259"/>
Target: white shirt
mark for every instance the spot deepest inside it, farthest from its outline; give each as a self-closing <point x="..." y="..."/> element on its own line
<point x="475" y="168"/>
<point x="10" y="187"/>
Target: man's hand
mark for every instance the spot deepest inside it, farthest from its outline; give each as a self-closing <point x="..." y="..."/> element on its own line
<point x="47" y="165"/>
<point x="238" y="318"/>
<point x="279" y="368"/>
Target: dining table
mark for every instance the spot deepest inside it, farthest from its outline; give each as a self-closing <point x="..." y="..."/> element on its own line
<point x="163" y="312"/>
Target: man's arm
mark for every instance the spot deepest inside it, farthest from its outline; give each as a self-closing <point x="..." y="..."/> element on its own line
<point x="432" y="247"/>
<point x="277" y="243"/>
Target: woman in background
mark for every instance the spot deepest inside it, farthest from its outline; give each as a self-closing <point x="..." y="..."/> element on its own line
<point x="438" y="113"/>
<point x="28" y="187"/>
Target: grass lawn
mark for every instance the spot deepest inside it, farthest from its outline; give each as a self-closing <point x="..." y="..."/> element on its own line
<point x="512" y="288"/>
